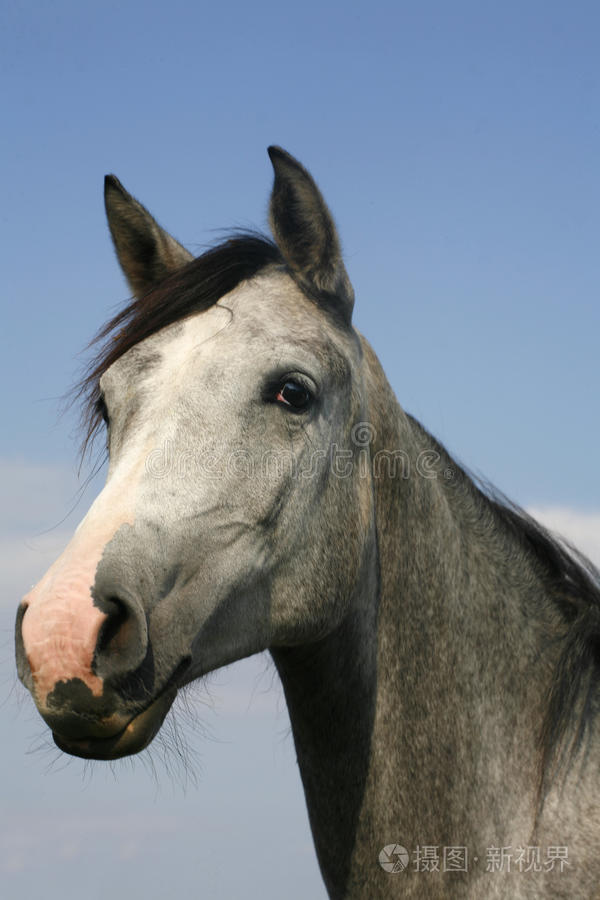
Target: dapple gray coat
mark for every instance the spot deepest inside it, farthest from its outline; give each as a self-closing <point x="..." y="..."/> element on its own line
<point x="438" y="650"/>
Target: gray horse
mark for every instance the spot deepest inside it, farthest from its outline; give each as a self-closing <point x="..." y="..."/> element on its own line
<point x="439" y="651"/>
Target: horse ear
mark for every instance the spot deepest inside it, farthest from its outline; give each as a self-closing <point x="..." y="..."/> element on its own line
<point x="146" y="252"/>
<point x="305" y="233"/>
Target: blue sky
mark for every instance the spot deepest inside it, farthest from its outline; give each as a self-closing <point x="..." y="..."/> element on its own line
<point x="457" y="145"/>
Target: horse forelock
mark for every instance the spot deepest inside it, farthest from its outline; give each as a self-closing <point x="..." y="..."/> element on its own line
<point x="194" y="287"/>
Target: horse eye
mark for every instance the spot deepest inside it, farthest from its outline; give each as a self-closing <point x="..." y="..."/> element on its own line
<point x="295" y="395"/>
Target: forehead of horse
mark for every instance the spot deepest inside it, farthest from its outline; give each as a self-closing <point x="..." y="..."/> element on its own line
<point x="265" y="319"/>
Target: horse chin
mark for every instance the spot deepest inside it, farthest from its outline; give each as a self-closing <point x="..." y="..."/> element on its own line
<point x="136" y="735"/>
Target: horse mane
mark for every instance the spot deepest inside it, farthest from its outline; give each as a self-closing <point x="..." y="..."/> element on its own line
<point x="575" y="590"/>
<point x="573" y="583"/>
<point x="195" y="287"/>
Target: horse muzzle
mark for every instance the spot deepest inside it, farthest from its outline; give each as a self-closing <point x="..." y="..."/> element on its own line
<point x="88" y="662"/>
<point x="135" y="736"/>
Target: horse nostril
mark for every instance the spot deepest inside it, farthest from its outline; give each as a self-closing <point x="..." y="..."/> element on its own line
<point x="122" y="641"/>
<point x="116" y="631"/>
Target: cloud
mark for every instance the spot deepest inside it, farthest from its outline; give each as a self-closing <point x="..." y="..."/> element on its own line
<point x="24" y="560"/>
<point x="63" y="837"/>
<point x="33" y="498"/>
<point x="37" y="497"/>
<point x="582" y="529"/>
<point x="41" y="505"/>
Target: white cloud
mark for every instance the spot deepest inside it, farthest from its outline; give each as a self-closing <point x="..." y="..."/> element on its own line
<point x="581" y="529"/>
<point x="41" y="505"/>
<point x="75" y="834"/>
<point x="24" y="560"/>
<point x="36" y="497"/>
<point x="33" y="498"/>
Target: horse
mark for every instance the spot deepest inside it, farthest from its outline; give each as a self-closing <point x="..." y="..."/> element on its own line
<point x="438" y="649"/>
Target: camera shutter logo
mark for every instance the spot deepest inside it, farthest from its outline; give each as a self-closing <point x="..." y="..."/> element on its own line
<point x="394" y="858"/>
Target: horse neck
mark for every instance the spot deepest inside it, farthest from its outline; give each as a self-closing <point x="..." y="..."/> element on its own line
<point x="465" y="660"/>
<point x="417" y="712"/>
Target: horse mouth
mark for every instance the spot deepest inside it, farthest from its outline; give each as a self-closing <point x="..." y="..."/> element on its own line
<point x="133" y="738"/>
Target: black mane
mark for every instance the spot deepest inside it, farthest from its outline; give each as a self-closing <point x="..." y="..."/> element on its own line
<point x="196" y="286"/>
<point x="573" y="584"/>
